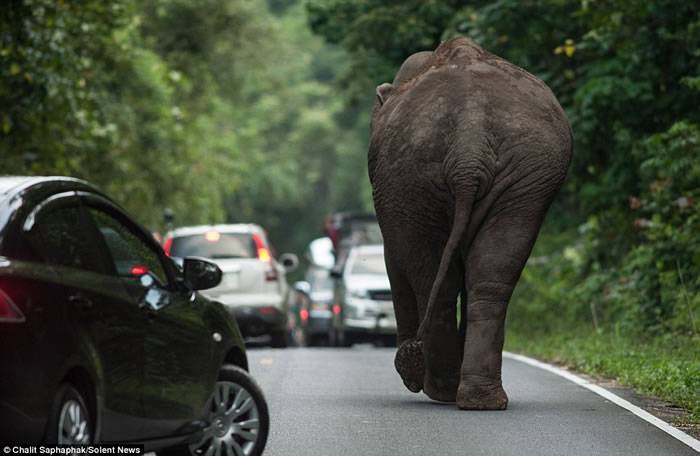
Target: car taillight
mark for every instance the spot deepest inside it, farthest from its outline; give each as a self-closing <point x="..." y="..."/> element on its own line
<point x="168" y="245"/>
<point x="262" y="250"/>
<point x="138" y="270"/>
<point x="9" y="312"/>
<point x="264" y="256"/>
<point x="267" y="310"/>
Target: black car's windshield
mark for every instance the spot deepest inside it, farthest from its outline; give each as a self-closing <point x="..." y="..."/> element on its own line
<point x="214" y="244"/>
<point x="369" y="264"/>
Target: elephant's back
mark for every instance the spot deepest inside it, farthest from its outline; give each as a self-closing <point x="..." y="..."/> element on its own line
<point x="467" y="97"/>
<point x="464" y="87"/>
<point x="478" y="80"/>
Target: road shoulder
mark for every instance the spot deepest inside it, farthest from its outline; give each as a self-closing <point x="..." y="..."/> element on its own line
<point x="653" y="410"/>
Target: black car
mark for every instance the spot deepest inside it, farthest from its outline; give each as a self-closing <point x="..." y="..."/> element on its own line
<point x="104" y="339"/>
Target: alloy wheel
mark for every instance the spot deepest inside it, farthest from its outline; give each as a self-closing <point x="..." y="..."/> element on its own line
<point x="73" y="425"/>
<point x="234" y="423"/>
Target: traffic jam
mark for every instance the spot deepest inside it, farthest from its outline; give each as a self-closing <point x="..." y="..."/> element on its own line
<point x="110" y="335"/>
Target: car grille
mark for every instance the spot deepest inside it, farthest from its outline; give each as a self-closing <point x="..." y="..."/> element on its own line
<point x="380" y="295"/>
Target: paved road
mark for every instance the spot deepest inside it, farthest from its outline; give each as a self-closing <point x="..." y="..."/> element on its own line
<point x="351" y="402"/>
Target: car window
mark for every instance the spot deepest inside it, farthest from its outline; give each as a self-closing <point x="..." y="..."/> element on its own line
<point x="131" y="256"/>
<point x="368" y="264"/>
<point x="60" y="237"/>
<point x="214" y="244"/>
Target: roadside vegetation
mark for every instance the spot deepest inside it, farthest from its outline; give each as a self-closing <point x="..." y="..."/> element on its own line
<point x="222" y="110"/>
<point x="234" y="110"/>
<point x="662" y="367"/>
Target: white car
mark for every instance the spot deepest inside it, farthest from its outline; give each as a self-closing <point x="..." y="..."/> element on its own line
<point x="363" y="293"/>
<point x="253" y="286"/>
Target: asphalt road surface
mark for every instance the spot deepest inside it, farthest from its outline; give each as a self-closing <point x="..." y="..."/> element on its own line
<point x="351" y="402"/>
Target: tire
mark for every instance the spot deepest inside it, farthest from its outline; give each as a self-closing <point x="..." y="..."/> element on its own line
<point x="336" y="338"/>
<point x="347" y="339"/>
<point x="278" y="339"/>
<point x="70" y="421"/>
<point x="251" y="441"/>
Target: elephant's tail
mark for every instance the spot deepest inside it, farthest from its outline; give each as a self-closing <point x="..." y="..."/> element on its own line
<point x="463" y="205"/>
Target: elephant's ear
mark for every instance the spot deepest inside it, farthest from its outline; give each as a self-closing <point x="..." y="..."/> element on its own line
<point x="383" y="92"/>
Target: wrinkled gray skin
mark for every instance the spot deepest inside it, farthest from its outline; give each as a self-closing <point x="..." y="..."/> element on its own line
<point x="467" y="152"/>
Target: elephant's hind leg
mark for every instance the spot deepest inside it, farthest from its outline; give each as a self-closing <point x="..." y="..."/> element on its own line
<point x="411" y="367"/>
<point x="434" y="367"/>
<point x="494" y="263"/>
<point x="443" y="345"/>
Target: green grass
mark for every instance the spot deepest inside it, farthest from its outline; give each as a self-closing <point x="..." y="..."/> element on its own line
<point x="666" y="368"/>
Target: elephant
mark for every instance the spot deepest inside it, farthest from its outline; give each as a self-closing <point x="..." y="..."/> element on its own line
<point x="467" y="152"/>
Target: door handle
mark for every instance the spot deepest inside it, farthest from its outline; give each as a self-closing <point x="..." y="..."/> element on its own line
<point x="80" y="301"/>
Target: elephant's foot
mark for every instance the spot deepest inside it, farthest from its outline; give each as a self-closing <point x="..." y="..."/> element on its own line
<point x="442" y="390"/>
<point x="488" y="395"/>
<point x="410" y="364"/>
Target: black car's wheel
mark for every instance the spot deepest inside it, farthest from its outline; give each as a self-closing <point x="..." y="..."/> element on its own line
<point x="238" y="419"/>
<point x="347" y="338"/>
<point x="278" y="339"/>
<point x="311" y="340"/>
<point x="70" y="421"/>
<point x="335" y="338"/>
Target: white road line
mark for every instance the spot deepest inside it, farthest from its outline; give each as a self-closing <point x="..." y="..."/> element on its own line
<point x="643" y="414"/>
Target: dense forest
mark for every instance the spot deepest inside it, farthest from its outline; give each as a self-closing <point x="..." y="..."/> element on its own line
<point x="235" y="110"/>
<point x="222" y="110"/>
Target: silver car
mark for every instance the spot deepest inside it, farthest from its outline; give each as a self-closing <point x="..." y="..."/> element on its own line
<point x="366" y="312"/>
<point x="253" y="286"/>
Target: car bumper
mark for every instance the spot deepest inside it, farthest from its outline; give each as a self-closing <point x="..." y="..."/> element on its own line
<point x="256" y="321"/>
<point x="235" y="300"/>
<point x="368" y="316"/>
<point x="378" y="326"/>
<point x="320" y="322"/>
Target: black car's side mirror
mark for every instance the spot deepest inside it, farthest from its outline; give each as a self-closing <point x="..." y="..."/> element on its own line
<point x="200" y="274"/>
